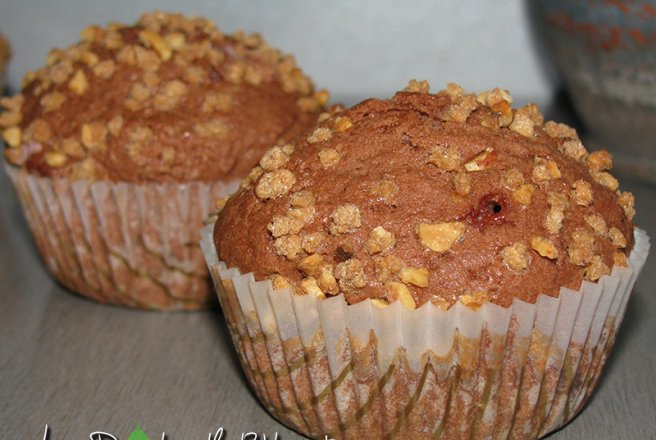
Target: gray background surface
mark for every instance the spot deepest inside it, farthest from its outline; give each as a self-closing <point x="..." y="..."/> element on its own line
<point x="82" y="367"/>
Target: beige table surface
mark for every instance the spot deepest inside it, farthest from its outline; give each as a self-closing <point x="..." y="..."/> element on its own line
<point x="82" y="367"/>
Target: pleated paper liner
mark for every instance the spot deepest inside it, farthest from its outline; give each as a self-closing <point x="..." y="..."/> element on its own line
<point x="123" y="243"/>
<point x="357" y="371"/>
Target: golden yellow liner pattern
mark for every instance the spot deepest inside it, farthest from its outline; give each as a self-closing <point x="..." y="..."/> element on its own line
<point x="129" y="244"/>
<point x="356" y="371"/>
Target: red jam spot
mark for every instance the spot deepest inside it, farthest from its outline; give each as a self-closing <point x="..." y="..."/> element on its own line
<point x="490" y="210"/>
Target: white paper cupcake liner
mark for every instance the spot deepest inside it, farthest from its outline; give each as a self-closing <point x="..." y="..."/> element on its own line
<point x="357" y="371"/>
<point x="123" y="243"/>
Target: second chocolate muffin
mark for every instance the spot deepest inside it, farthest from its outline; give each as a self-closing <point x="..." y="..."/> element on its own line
<point x="120" y="144"/>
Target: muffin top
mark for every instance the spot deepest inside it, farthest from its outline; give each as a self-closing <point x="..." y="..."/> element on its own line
<point x="430" y="197"/>
<point x="170" y="98"/>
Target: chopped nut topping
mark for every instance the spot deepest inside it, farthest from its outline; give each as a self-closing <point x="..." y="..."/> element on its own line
<point x="301" y="199"/>
<point x="52" y="101"/>
<point x="279" y="282"/>
<point x="289" y="246"/>
<point x="544" y="247"/>
<point x="309" y="286"/>
<point x="311" y="264"/>
<point x="79" y="83"/>
<point x="55" y="160"/>
<point x="523" y="125"/>
<point x="596" y="269"/>
<point x="605" y="179"/>
<point x="440" y="303"/>
<point x="581" y="193"/>
<point x="627" y="202"/>
<point x="115" y="125"/>
<point x="329" y="157"/>
<point x="545" y="170"/>
<point x="12" y="103"/>
<point x="319" y="135"/>
<point x="212" y="102"/>
<point x="475" y="300"/>
<point x="379" y="302"/>
<point x="446" y="158"/>
<point x="39" y="131"/>
<point x="13" y="136"/>
<point x="303" y="214"/>
<point x="554" y="220"/>
<point x="219" y="204"/>
<point x="104" y="69"/>
<point x="619" y="259"/>
<point x="345" y="219"/>
<point x="558" y="130"/>
<point x="462" y="184"/>
<point x="93" y="136"/>
<point x="417" y="86"/>
<point x="461" y="108"/>
<point x="400" y="292"/>
<point x="494" y="96"/>
<point x="60" y="72"/>
<point x="380" y="240"/>
<point x="342" y="123"/>
<point x="72" y="148"/>
<point x="597" y="223"/>
<point x="273" y="159"/>
<point x="285" y="225"/>
<point x="600" y="161"/>
<point x="525" y="120"/>
<point x="483" y="160"/>
<point x="513" y="179"/>
<point x="175" y="40"/>
<point x="350" y="275"/>
<point x="311" y="242"/>
<point x="516" y="257"/>
<point x="454" y="91"/>
<point x="315" y="267"/>
<point x="440" y="237"/>
<point x="417" y="276"/>
<point x="524" y="194"/>
<point x="557" y="200"/>
<point x="89" y="58"/>
<point x="388" y="267"/>
<point x="581" y="250"/>
<point x="504" y="110"/>
<point x="274" y="184"/>
<point x="384" y="189"/>
<point x="199" y="75"/>
<point x="10" y="118"/>
<point x="170" y="95"/>
<point x="214" y="128"/>
<point x="252" y="176"/>
<point x="574" y="149"/>
<point x="617" y="238"/>
<point x="154" y="40"/>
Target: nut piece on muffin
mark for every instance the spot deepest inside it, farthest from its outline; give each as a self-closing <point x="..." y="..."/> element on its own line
<point x="119" y="146"/>
<point x="169" y="98"/>
<point x="430" y="198"/>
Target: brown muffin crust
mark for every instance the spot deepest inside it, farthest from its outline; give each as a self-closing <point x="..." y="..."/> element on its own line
<point x="430" y="197"/>
<point x="170" y="98"/>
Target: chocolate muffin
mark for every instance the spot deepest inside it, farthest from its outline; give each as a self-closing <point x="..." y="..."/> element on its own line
<point x="428" y="266"/>
<point x="441" y="197"/>
<point x="158" y="119"/>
